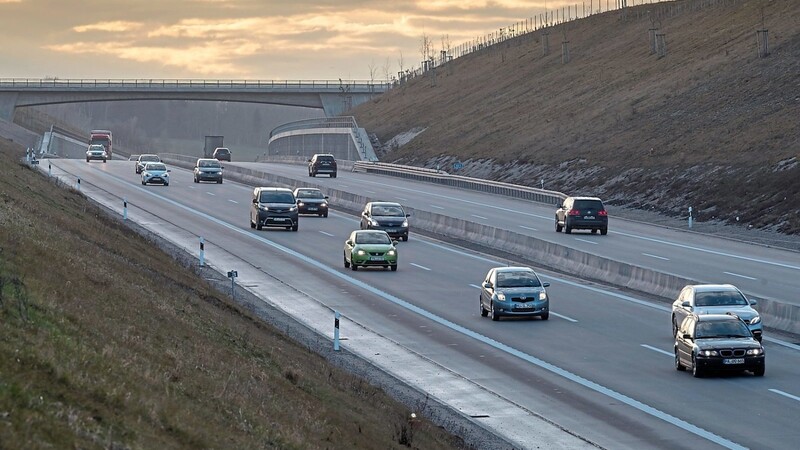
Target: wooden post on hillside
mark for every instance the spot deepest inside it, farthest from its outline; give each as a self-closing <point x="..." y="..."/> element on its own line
<point x="545" y="43"/>
<point x="661" y="45"/>
<point x="564" y="52"/>
<point x="652" y="35"/>
<point x="762" y="42"/>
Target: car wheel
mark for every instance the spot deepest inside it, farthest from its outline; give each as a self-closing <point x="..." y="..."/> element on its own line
<point x="296" y="225"/>
<point x="558" y="226"/>
<point x="219" y="181"/>
<point x="324" y="214"/>
<point x="353" y="266"/>
<point x="87" y="159"/>
<point x="333" y="175"/>
<point x="144" y="183"/>
<point x="759" y="372"/>
<point x="346" y="264"/>
<point x="484" y="312"/>
<point x="495" y="317"/>
<point x="104" y="160"/>
<point x="394" y="267"/>
<point x="546" y="315"/>
<point x="259" y="226"/>
<point x="603" y="231"/>
<point x="678" y="366"/>
<point x="405" y="238"/>
<point x="252" y="225"/>
<point x="696" y="372"/>
<point x="567" y="229"/>
<point x="313" y="174"/>
<point x="594" y="230"/>
<point x="674" y="327"/>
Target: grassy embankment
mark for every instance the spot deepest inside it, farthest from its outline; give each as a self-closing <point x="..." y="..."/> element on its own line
<point x="106" y="345"/>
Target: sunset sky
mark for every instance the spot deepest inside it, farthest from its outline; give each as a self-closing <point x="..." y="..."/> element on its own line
<point x="241" y="39"/>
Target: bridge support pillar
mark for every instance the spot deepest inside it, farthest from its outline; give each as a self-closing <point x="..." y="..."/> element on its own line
<point x="8" y="103"/>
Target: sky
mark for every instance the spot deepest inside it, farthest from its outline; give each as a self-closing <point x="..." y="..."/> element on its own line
<point x="242" y="39"/>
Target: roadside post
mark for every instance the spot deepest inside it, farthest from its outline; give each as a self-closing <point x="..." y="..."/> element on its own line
<point x="124" y="208"/>
<point x="79" y="183"/>
<point x="232" y="274"/>
<point x="336" y="331"/>
<point x="202" y="252"/>
<point x="690" y="217"/>
<point x="49" y="170"/>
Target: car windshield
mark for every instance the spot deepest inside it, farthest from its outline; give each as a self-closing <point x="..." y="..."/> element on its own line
<point x="720" y="329"/>
<point x="210" y="163"/>
<point x="309" y="194"/>
<point x="387" y="210"/>
<point x="719" y="298"/>
<point x="151" y="167"/>
<point x="149" y="158"/>
<point x="276" y="197"/>
<point x="517" y="279"/>
<point x="223" y="151"/>
<point x="372" y="238"/>
<point x="97" y="148"/>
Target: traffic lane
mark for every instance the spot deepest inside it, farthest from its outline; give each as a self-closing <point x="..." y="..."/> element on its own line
<point x="762" y="271"/>
<point x="291" y="233"/>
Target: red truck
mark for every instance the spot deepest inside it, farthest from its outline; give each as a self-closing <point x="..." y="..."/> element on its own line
<point x="102" y="137"/>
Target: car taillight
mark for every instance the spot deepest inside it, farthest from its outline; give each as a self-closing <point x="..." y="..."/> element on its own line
<point x="602" y="212"/>
<point x="574" y="212"/>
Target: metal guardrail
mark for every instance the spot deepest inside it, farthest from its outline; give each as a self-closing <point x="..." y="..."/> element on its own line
<point x="475" y="184"/>
<point x="350" y="86"/>
<point x="322" y="122"/>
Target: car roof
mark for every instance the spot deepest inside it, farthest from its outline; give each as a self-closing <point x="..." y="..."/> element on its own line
<point x="271" y="188"/>
<point x="307" y="189"/>
<point x="586" y="198"/>
<point x="148" y="154"/>
<point x="513" y="269"/>
<point x="207" y="159"/>
<point x="716" y="317"/>
<point x="370" y="232"/>
<point x="713" y="287"/>
<point x="323" y="154"/>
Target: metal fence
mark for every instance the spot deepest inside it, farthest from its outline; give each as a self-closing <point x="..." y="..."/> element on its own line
<point x="340" y="136"/>
<point x="351" y="86"/>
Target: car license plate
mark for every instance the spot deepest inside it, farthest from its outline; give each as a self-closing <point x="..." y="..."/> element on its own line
<point x="733" y="361"/>
<point x="588" y="217"/>
<point x="524" y="306"/>
<point x="376" y="258"/>
<point x="280" y="219"/>
<point x="312" y="208"/>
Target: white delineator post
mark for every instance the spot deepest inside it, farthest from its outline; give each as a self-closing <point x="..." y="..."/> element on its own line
<point x="124" y="209"/>
<point x="690" y="217"/>
<point x="202" y="252"/>
<point x="336" y="330"/>
<point x="79" y="183"/>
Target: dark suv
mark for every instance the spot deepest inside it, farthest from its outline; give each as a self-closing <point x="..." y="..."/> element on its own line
<point x="322" y="163"/>
<point x="387" y="216"/>
<point x="273" y="207"/>
<point x="222" y="154"/>
<point x="717" y="342"/>
<point x="582" y="213"/>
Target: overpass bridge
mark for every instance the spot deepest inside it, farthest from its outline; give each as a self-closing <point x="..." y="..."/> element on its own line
<point x="332" y="96"/>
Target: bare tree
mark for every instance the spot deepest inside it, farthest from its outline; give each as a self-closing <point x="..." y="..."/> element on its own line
<point x="387" y="67"/>
<point x="373" y="69"/>
<point x="446" y="45"/>
<point x="425" y="47"/>
<point x="401" y="63"/>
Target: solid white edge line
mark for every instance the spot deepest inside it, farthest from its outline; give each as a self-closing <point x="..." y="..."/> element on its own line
<point x="421" y="267"/>
<point x="656" y="256"/>
<point x="588" y="242"/>
<point x="740" y="276"/>
<point x="650" y="347"/>
<point x="479" y="217"/>
<point x="793" y="397"/>
<point x="326" y="233"/>
<point x="527" y="228"/>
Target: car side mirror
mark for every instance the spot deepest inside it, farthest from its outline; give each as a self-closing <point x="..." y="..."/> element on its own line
<point x="753" y="302"/>
<point x="408" y="215"/>
<point x="326" y="197"/>
<point x="168" y="170"/>
<point x="686" y="304"/>
<point x="308" y="160"/>
<point x="255" y="201"/>
<point x="298" y="201"/>
<point x="545" y="284"/>
<point x="349" y="242"/>
<point x="395" y="242"/>
<point x="487" y="284"/>
<point x="687" y="336"/>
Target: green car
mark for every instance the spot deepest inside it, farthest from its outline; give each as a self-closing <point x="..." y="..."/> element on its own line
<point x="370" y="248"/>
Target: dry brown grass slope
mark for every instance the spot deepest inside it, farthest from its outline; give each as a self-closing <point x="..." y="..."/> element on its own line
<point x="709" y="125"/>
<point x="107" y="342"/>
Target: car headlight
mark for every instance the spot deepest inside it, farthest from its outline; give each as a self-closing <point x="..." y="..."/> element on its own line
<point x="755" y="351"/>
<point x="300" y="204"/>
<point x="501" y="296"/>
<point x="145" y="174"/>
<point x="391" y="253"/>
<point x="755" y="320"/>
<point x="542" y="295"/>
<point x="263" y="207"/>
<point x="373" y="222"/>
<point x="360" y="252"/>
<point x="293" y="208"/>
<point x="405" y="223"/>
<point x="323" y="205"/>
<point x="708" y="353"/>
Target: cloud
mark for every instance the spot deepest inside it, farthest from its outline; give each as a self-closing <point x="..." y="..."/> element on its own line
<point x="115" y="26"/>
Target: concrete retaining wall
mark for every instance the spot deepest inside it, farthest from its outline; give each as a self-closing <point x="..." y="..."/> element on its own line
<point x="776" y="315"/>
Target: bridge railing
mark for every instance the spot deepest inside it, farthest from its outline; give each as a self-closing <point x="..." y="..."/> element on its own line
<point x="357" y="86"/>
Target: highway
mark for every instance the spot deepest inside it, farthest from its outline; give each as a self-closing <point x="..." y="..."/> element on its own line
<point x="601" y="367"/>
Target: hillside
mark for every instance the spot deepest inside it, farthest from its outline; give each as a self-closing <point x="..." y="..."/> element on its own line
<point x="710" y="125"/>
<point x="109" y="342"/>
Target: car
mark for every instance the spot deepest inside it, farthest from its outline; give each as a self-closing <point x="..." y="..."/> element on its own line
<point x="386" y="216"/>
<point x="717" y="342"/>
<point x="142" y="160"/>
<point x="514" y="292"/>
<point x="222" y="154"/>
<point x="96" y="151"/>
<point x="311" y="201"/>
<point x="716" y="299"/>
<point x="155" y="173"/>
<point x="370" y="248"/>
<point x="273" y="207"/>
<point x="207" y="169"/>
<point x="322" y="163"/>
<point x="582" y="213"/>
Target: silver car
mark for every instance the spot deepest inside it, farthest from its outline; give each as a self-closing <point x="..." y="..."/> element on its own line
<point x="514" y="291"/>
<point x="702" y="299"/>
<point x="96" y="151"/>
<point x="155" y="173"/>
